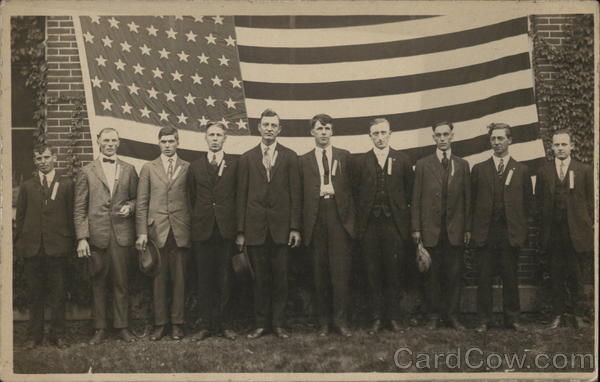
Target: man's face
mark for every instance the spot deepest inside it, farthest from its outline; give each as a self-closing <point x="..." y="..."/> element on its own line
<point x="44" y="161"/>
<point x="562" y="146"/>
<point x="215" y="138"/>
<point x="269" y="129"/>
<point x="168" y="145"/>
<point x="500" y="142"/>
<point x="442" y="135"/>
<point x="380" y="135"/>
<point x="108" y="143"/>
<point x="322" y="133"/>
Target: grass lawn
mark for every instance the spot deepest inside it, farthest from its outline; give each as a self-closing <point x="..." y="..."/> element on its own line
<point x="304" y="351"/>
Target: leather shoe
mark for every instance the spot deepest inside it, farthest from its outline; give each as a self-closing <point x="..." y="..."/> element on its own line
<point x="516" y="326"/>
<point x="202" y="334"/>
<point x="432" y="324"/>
<point x="455" y="324"/>
<point x="176" y="332"/>
<point x="158" y="333"/>
<point x="395" y="325"/>
<point x="281" y="333"/>
<point x="580" y="322"/>
<point x="126" y="335"/>
<point x="555" y="322"/>
<point x="344" y="331"/>
<point x="482" y="328"/>
<point x="323" y="331"/>
<point x="99" y="336"/>
<point x="258" y="332"/>
<point x="374" y="328"/>
<point x="229" y="334"/>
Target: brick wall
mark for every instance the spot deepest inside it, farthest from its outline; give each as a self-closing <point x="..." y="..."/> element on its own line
<point x="64" y="85"/>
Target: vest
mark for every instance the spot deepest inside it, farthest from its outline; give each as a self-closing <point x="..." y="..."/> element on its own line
<point x="382" y="201"/>
<point x="561" y="192"/>
<point x="445" y="175"/>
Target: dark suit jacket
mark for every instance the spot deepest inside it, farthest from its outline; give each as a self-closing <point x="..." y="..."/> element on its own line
<point x="162" y="205"/>
<point x="580" y="204"/>
<point x="213" y="199"/>
<point x="263" y="206"/>
<point x="342" y="185"/>
<point x="517" y="200"/>
<point x="399" y="189"/>
<point x="96" y="210"/>
<point x="42" y="220"/>
<point x="426" y="205"/>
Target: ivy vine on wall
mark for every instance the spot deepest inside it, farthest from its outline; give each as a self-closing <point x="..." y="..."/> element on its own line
<point x="568" y="96"/>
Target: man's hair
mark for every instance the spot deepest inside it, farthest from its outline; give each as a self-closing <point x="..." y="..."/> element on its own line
<point x="499" y="126"/>
<point x="168" y="130"/>
<point x="442" y="123"/>
<point x="377" y="121"/>
<point x="41" y="147"/>
<point x="105" y="130"/>
<point x="563" y="131"/>
<point x="324" y="119"/>
<point x="269" y="113"/>
<point x="218" y="124"/>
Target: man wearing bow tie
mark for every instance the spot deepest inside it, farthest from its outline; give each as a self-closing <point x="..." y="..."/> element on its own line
<point x="105" y="194"/>
<point x="441" y="220"/>
<point x="328" y="217"/>
<point x="269" y="221"/>
<point x="163" y="215"/>
<point x="44" y="236"/>
<point x="211" y="186"/>
<point x="501" y="196"/>
<point x="564" y="192"/>
<point x="383" y="187"/>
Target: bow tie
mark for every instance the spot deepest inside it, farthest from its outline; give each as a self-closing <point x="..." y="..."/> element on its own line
<point x="108" y="160"/>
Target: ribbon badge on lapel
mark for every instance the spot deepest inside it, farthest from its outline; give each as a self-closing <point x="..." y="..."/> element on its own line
<point x="571" y="179"/>
<point x="222" y="167"/>
<point x="509" y="177"/>
<point x="54" y="190"/>
<point x="176" y="173"/>
<point x="335" y="166"/>
<point x="451" y="168"/>
<point x="389" y="169"/>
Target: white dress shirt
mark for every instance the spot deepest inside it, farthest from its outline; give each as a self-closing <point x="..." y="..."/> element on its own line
<point x="165" y="162"/>
<point x="49" y="176"/>
<point x="565" y="162"/>
<point x="326" y="189"/>
<point x="440" y="154"/>
<point x="110" y="170"/>
<point x="271" y="153"/>
<point x="381" y="155"/>
<point x="219" y="156"/>
<point x="505" y="160"/>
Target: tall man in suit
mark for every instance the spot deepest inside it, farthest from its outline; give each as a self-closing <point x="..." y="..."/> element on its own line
<point x="328" y="223"/>
<point x="163" y="214"/>
<point x="383" y="187"/>
<point x="44" y="236"/>
<point x="211" y="183"/>
<point x="441" y="220"/>
<point x="105" y="194"/>
<point x="564" y="191"/>
<point x="269" y="220"/>
<point x="501" y="196"/>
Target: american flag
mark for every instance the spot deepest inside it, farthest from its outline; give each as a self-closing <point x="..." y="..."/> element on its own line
<point x="144" y="72"/>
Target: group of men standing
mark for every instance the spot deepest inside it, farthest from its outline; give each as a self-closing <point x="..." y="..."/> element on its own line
<point x="269" y="200"/>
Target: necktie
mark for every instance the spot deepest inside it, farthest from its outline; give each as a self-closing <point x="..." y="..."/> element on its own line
<point x="267" y="163"/>
<point x="325" y="168"/>
<point x="170" y="169"/>
<point x="445" y="161"/>
<point x="214" y="162"/>
<point x="561" y="173"/>
<point x="45" y="182"/>
<point x="501" y="167"/>
<point x="108" y="160"/>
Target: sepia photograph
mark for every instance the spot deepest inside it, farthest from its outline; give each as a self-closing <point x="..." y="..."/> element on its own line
<point x="299" y="190"/>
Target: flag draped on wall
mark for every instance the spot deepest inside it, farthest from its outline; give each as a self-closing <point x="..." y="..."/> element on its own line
<point x="142" y="72"/>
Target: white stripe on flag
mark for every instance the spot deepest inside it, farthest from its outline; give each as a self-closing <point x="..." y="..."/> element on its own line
<point x="520" y="151"/>
<point x="393" y="104"/>
<point x="385" y="68"/>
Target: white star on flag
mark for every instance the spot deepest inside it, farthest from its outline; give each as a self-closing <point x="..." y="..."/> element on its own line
<point x="95" y="19"/>
<point x="114" y="85"/>
<point x="157" y="73"/>
<point x="107" y="104"/>
<point x="224" y="122"/>
<point x="107" y="41"/>
<point x="191" y="36"/>
<point x="216" y="80"/>
<point x="152" y="30"/>
<point x="210" y="39"/>
<point x="203" y="121"/>
<point x="223" y="60"/>
<point x="170" y="96"/>
<point x="145" y="112"/>
<point x="133" y="89"/>
<point x="97" y="82"/>
<point x="164" y="116"/>
<point x="101" y="61"/>
<point x="145" y="50"/>
<point x="120" y="65"/>
<point x="189" y="99"/>
<point x="203" y="58"/>
<point x="199" y="19"/>
<point x="196" y="78"/>
<point x="125" y="46"/>
<point x="210" y="101"/>
<point x="88" y="37"/>
<point x="126" y="108"/>
<point x="138" y="69"/>
<point x="164" y="53"/>
<point x="152" y="93"/>
<point x="230" y="103"/>
<point x="218" y="20"/>
<point x="133" y="27"/>
<point x="182" y="118"/>
<point x="235" y="83"/>
<point x="176" y="76"/>
<point x="171" y="34"/>
<point x="230" y="41"/>
<point x="183" y="56"/>
<point x="114" y="23"/>
<point x="241" y="124"/>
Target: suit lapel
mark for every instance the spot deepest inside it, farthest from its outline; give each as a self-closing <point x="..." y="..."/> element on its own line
<point x="97" y="169"/>
<point x="435" y="167"/>
<point x="177" y="170"/>
<point x="258" y="161"/>
<point x="278" y="160"/>
<point x="314" y="166"/>
<point x="158" y="167"/>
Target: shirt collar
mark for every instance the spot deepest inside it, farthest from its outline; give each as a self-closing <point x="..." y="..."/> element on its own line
<point x="567" y="162"/>
<point x="49" y="175"/>
<point x="440" y="154"/>
<point x="381" y="152"/>
<point x="165" y="159"/>
<point x="328" y="150"/>
<point x="114" y="157"/>
<point x="497" y="160"/>
<point x="220" y="154"/>
<point x="272" y="147"/>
